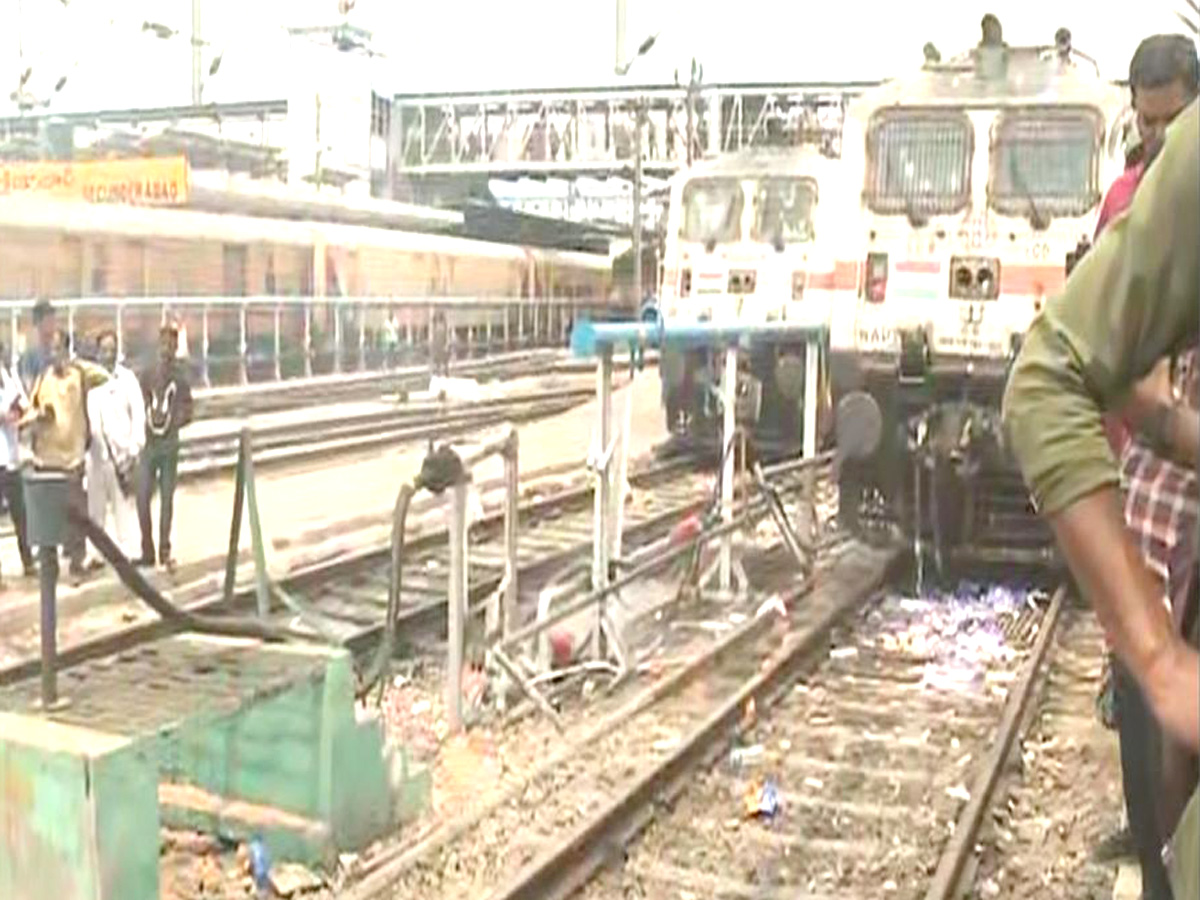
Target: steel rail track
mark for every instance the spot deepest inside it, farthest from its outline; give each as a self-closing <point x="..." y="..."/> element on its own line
<point x="206" y="455"/>
<point x="351" y="593"/>
<point x="470" y="858"/>
<point x="1031" y="845"/>
<point x="685" y="847"/>
<point x="270" y="396"/>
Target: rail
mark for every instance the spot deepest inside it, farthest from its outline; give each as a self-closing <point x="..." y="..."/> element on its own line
<point x="238" y="341"/>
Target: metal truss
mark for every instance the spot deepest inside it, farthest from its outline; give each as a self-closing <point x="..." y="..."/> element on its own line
<point x="574" y="133"/>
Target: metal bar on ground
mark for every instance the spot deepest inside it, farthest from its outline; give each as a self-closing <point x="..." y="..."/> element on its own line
<point x="527" y="687"/>
<point x="510" y="616"/>
<point x="728" y="431"/>
<point x="235" y="523"/>
<point x="457" y="604"/>
<point x="262" y="584"/>
<point x="603" y="500"/>
<point x="812" y="380"/>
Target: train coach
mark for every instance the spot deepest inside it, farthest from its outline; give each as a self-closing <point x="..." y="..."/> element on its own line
<point x="112" y="254"/>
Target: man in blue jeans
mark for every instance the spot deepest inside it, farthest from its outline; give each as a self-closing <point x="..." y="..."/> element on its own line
<point x="168" y="398"/>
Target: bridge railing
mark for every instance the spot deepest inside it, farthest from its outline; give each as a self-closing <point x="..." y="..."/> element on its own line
<point x="231" y="341"/>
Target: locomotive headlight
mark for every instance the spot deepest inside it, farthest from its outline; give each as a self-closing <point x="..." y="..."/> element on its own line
<point x="741" y="281"/>
<point x="963" y="278"/>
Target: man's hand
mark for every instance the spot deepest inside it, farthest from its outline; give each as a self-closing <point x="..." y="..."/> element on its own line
<point x="1172" y="687"/>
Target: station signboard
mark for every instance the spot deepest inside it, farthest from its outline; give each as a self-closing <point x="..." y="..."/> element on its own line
<point x="147" y="181"/>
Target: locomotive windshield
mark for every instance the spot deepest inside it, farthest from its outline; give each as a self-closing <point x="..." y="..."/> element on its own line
<point x="712" y="210"/>
<point x="1044" y="162"/>
<point x="783" y="210"/>
<point x="919" y="162"/>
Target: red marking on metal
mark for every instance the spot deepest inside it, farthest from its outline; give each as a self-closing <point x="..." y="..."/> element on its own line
<point x="918" y="267"/>
<point x="844" y="277"/>
<point x="710" y="275"/>
<point x="1033" y="280"/>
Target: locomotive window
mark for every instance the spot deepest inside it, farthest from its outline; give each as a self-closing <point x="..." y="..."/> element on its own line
<point x="783" y="210"/>
<point x="712" y="210"/>
<point x="919" y="163"/>
<point x="1045" y="163"/>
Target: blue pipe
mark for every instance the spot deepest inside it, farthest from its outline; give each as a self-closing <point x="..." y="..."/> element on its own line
<point x="589" y="338"/>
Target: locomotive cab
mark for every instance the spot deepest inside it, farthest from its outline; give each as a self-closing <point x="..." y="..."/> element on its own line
<point x="981" y="182"/>
<point x="745" y="243"/>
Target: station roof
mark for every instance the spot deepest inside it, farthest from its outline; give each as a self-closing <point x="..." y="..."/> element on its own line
<point x="486" y="222"/>
<point x="216" y="192"/>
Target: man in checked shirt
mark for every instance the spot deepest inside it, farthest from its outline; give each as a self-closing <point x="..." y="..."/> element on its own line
<point x="1160" y="497"/>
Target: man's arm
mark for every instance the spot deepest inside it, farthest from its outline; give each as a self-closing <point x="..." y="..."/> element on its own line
<point x="185" y="399"/>
<point x="1131" y="301"/>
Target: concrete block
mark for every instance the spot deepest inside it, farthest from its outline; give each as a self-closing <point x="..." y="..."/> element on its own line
<point x="78" y="814"/>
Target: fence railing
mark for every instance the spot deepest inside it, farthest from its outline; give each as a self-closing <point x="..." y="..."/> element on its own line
<point x="231" y="341"/>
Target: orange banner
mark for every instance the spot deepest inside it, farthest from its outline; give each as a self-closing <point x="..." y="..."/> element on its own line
<point x="150" y="181"/>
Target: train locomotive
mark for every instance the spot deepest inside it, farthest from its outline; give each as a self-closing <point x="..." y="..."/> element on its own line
<point x="981" y="181"/>
<point x="743" y="243"/>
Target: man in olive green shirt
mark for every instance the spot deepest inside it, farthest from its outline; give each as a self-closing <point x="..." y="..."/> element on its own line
<point x="1132" y="300"/>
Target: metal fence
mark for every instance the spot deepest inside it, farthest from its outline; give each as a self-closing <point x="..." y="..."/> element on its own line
<point x="231" y="341"/>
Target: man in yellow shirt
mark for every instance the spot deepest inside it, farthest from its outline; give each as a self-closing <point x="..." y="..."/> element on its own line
<point x="58" y="421"/>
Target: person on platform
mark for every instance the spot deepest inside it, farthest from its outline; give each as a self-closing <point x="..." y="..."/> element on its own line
<point x="439" y="345"/>
<point x="38" y="355"/>
<point x="13" y="404"/>
<point x="117" y="417"/>
<point x="167" y="395"/>
<point x="58" y="420"/>
<point x="1132" y="300"/>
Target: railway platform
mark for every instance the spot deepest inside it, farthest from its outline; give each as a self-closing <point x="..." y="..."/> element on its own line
<point x="314" y="510"/>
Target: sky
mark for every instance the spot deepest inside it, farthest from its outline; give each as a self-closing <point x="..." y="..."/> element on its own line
<point x="462" y="45"/>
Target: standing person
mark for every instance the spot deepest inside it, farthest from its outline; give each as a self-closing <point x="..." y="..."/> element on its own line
<point x="1161" y="497"/>
<point x="37" y="356"/>
<point x="117" y="416"/>
<point x="1129" y="303"/>
<point x="58" y="420"/>
<point x="13" y="404"/>
<point x="167" y="395"/>
<point x="440" y="345"/>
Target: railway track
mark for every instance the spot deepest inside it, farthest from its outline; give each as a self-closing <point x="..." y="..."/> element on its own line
<point x="274" y="396"/>
<point x="1063" y="795"/>
<point x="349" y="595"/>
<point x="205" y="455"/>
<point x="880" y="746"/>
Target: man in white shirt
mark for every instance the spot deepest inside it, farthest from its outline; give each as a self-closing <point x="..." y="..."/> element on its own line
<point x="13" y="403"/>
<point x="117" y="422"/>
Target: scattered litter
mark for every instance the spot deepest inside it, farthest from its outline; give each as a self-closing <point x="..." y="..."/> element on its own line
<point x="843" y="652"/>
<point x="260" y="864"/>
<point x="751" y="711"/>
<point x="290" y="879"/>
<point x="742" y="755"/>
<point x="772" y="605"/>
<point x="989" y="888"/>
<point x="762" y="800"/>
<point x="958" y="792"/>
<point x="890" y="885"/>
<point x="664" y="744"/>
<point x="421" y="707"/>
<point x="737" y="618"/>
<point x="815" y="783"/>
<point x="785" y="745"/>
